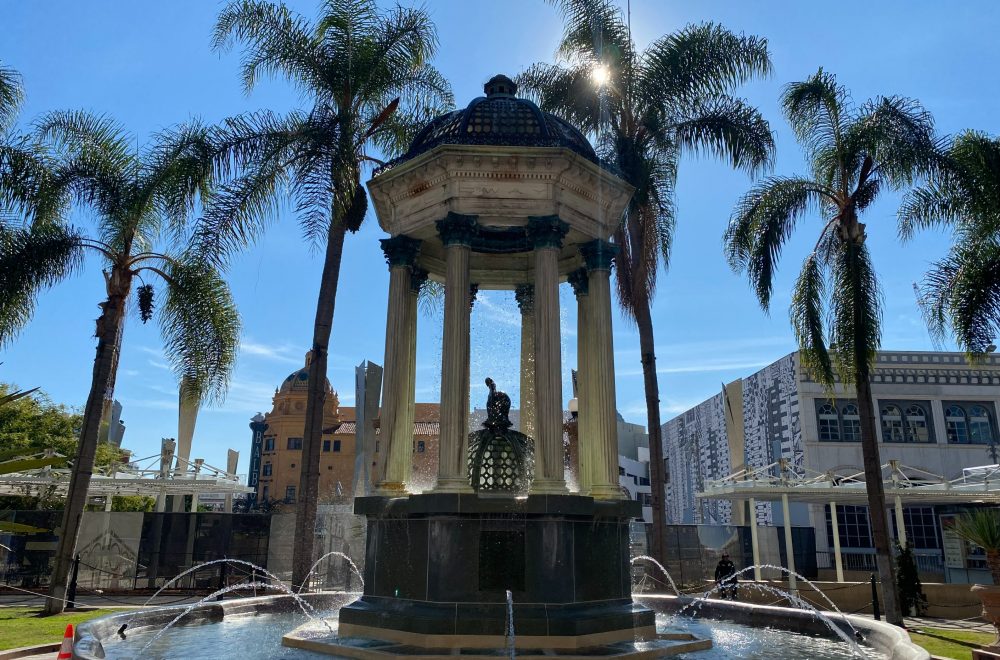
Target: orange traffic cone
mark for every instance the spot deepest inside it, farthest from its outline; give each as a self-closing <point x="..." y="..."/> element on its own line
<point x="66" y="650"/>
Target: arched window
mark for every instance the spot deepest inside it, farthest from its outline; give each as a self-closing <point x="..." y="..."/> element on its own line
<point x="916" y="424"/>
<point x="829" y="423"/>
<point x="892" y="424"/>
<point x="851" y="422"/>
<point x="980" y="428"/>
<point x="957" y="425"/>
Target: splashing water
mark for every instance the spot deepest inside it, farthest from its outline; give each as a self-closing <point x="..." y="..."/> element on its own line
<point x="335" y="553"/>
<point x="659" y="566"/>
<point x="276" y="583"/>
<point x="223" y="591"/>
<point x="798" y="602"/>
<point x="798" y="576"/>
<point x="510" y="626"/>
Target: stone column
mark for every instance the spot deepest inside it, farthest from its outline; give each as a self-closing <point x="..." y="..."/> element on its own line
<point x="400" y="253"/>
<point x="585" y="380"/>
<point x="547" y="233"/>
<point x="603" y="419"/>
<point x="456" y="233"/>
<point x="525" y="296"/>
<point x="473" y="292"/>
<point x="418" y="276"/>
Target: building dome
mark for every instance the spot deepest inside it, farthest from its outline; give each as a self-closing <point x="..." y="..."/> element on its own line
<point x="298" y="381"/>
<point x="501" y="119"/>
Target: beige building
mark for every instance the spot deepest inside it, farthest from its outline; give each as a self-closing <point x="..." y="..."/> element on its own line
<point x="281" y="450"/>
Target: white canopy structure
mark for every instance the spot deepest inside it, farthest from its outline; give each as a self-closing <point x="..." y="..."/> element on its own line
<point x="151" y="476"/>
<point x="780" y="481"/>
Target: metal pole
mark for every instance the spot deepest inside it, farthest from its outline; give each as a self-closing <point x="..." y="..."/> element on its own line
<point x="789" y="549"/>
<point x="900" y="525"/>
<point x="71" y="592"/>
<point x="875" y="610"/>
<point x="754" y="541"/>
<point x="836" y="542"/>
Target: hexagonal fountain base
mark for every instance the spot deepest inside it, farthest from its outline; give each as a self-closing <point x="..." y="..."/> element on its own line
<point x="310" y="637"/>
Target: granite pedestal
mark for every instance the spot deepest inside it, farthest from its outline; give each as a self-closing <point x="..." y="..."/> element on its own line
<point x="438" y="566"/>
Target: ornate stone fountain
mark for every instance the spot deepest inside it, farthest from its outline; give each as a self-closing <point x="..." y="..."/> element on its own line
<point x="499" y="195"/>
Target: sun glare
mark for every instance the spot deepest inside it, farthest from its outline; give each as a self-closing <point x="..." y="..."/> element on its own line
<point x="600" y="75"/>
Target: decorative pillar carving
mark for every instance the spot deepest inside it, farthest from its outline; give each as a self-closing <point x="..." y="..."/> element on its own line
<point x="400" y="253"/>
<point x="525" y="296"/>
<point x="457" y="232"/>
<point x="585" y="380"/>
<point x="603" y="418"/>
<point x="547" y="233"/>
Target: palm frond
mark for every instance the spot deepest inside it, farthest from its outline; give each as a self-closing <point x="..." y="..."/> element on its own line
<point x="898" y="134"/>
<point x="11" y="96"/>
<point x="595" y="30"/>
<point x="280" y="43"/>
<point x="566" y="91"/>
<point x="808" y="298"/>
<point x="855" y="309"/>
<point x="699" y="62"/>
<point x="761" y="223"/>
<point x="961" y="293"/>
<point x="29" y="185"/>
<point x="200" y="328"/>
<point x="816" y="109"/>
<point x="32" y="259"/>
<point x="731" y="129"/>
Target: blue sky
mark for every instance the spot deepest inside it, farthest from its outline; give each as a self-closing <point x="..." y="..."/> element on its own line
<point x="149" y="65"/>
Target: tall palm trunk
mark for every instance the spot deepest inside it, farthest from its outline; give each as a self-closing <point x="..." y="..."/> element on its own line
<point x="305" y="517"/>
<point x="876" y="496"/>
<point x="647" y="350"/>
<point x="109" y="326"/>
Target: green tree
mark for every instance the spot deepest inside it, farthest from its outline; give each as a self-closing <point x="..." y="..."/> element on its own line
<point x="961" y="292"/>
<point x="854" y="153"/>
<point x="647" y="108"/>
<point x="137" y="200"/>
<point x="367" y="77"/>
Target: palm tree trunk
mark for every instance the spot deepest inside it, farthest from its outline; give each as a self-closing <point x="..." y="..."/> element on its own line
<point x="657" y="482"/>
<point x="109" y="326"/>
<point x="305" y="515"/>
<point x="876" y="496"/>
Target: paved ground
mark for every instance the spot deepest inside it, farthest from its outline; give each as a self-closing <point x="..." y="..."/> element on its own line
<point x="976" y="624"/>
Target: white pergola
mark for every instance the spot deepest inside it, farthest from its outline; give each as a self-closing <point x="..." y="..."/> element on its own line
<point x="780" y="481"/>
<point x="151" y="476"/>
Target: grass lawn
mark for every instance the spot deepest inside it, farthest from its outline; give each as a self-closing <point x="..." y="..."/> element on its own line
<point x="22" y="626"/>
<point x="956" y="644"/>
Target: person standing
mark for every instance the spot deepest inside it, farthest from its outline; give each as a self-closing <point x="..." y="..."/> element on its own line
<point x="725" y="577"/>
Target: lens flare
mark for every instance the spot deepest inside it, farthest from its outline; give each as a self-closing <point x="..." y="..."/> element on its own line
<point x="600" y="75"/>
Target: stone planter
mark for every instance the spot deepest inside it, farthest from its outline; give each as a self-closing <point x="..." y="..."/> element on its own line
<point x="990" y="597"/>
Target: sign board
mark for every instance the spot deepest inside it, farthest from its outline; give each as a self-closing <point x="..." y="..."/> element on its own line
<point x="953" y="545"/>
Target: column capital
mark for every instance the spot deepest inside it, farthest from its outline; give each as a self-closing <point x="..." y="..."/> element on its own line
<point x="546" y="231"/>
<point x="598" y="254"/>
<point x="524" y="294"/>
<point x="473" y="292"/>
<point x="418" y="277"/>
<point x="457" y="229"/>
<point x="578" y="280"/>
<point x="400" y="250"/>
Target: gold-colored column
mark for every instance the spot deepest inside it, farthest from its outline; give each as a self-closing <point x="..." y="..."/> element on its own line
<point x="585" y="380"/>
<point x="456" y="233"/>
<point x="547" y="234"/>
<point x="598" y="256"/>
<point x="525" y="295"/>
<point x="400" y="252"/>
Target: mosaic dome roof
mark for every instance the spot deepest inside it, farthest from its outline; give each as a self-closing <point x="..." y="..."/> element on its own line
<point x="499" y="118"/>
<point x="298" y="381"/>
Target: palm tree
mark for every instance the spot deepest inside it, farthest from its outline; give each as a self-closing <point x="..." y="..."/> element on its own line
<point x="653" y="106"/>
<point x="367" y="76"/>
<point x="961" y="292"/>
<point x="854" y="154"/>
<point x="137" y="199"/>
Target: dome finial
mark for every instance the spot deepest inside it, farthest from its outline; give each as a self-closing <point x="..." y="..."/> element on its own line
<point x="500" y="85"/>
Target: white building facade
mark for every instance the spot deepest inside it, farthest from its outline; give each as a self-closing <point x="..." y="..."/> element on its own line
<point x="937" y="413"/>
